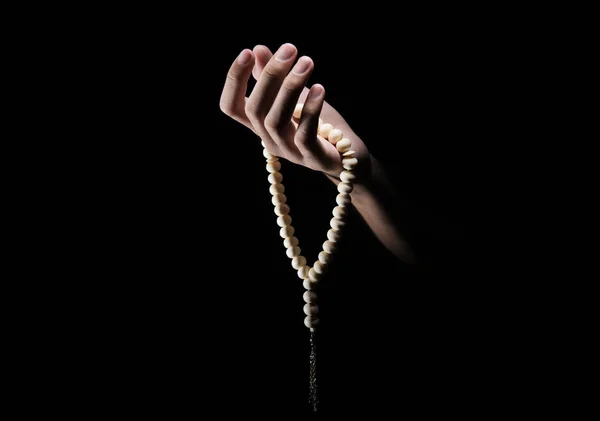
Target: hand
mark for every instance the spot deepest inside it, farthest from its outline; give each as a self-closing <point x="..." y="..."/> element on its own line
<point x="268" y="112"/>
<point x="269" y="109"/>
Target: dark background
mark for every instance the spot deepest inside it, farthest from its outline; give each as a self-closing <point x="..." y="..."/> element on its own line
<point x="391" y="336"/>
<point x="198" y="306"/>
<point x="153" y="278"/>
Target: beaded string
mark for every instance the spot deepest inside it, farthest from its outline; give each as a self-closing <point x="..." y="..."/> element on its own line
<point x="312" y="275"/>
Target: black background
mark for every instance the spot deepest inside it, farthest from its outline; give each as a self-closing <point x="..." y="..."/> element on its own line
<point x="196" y="305"/>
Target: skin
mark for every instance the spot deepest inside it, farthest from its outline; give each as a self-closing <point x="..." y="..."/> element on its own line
<point x="281" y="83"/>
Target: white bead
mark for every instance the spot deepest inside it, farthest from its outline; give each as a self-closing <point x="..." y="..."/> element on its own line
<point x="284" y="220"/>
<point x="309" y="297"/>
<point x="298" y="110"/>
<point x="286" y="231"/>
<point x="342" y="199"/>
<point x="275" y="177"/>
<point x="349" y="154"/>
<point x="313" y="275"/>
<point x="262" y="143"/>
<point x="347" y="176"/>
<point x="279" y="199"/>
<point x="311" y="322"/>
<point x="290" y="241"/>
<point x="339" y="211"/>
<point x="298" y="262"/>
<point x="276" y="188"/>
<point x="329" y="247"/>
<point x="293" y="252"/>
<point x="273" y="166"/>
<point x="345" y="188"/>
<point x="308" y="284"/>
<point x="320" y="268"/>
<point x="333" y="235"/>
<point x="282" y="209"/>
<point x="303" y="272"/>
<point x="349" y="163"/>
<point x="325" y="130"/>
<point x="335" y="136"/>
<point x="311" y="309"/>
<point x="337" y="223"/>
<point x="269" y="156"/>
<point x="324" y="257"/>
<point x="343" y="145"/>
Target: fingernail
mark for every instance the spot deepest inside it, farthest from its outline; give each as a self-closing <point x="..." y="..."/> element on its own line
<point x="317" y="91"/>
<point x="302" y="66"/>
<point x="285" y="52"/>
<point x="244" y="57"/>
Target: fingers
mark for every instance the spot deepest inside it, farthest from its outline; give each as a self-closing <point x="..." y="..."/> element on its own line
<point x="233" y="97"/>
<point x="278" y="121"/>
<point x="269" y="109"/>
<point x="264" y="93"/>
<point x="306" y="134"/>
<point x="263" y="55"/>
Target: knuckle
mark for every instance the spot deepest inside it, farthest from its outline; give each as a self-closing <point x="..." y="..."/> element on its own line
<point x="270" y="72"/>
<point x="253" y="110"/>
<point x="310" y="110"/>
<point x="290" y="86"/>
<point x="226" y="107"/>
<point x="231" y="77"/>
<point x="271" y="125"/>
<point x="275" y="123"/>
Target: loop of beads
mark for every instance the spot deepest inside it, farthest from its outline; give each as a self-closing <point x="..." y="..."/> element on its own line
<point x="311" y="275"/>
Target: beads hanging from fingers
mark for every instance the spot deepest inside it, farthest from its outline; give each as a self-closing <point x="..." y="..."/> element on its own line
<point x="311" y="275"/>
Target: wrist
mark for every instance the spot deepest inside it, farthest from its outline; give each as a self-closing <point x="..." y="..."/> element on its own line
<point x="365" y="173"/>
<point x="372" y="182"/>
